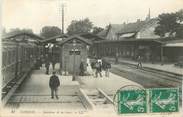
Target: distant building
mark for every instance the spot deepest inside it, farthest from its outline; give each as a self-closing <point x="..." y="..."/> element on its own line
<point x="110" y="31"/>
<point x="139" y="29"/>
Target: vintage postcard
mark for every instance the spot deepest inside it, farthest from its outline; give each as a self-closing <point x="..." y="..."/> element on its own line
<point x="88" y="58"/>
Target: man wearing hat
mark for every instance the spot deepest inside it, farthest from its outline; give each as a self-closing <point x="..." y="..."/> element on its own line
<point x="54" y="83"/>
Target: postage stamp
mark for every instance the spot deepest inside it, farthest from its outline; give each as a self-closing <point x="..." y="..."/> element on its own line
<point x="154" y="100"/>
<point x="132" y="101"/>
<point x="164" y="100"/>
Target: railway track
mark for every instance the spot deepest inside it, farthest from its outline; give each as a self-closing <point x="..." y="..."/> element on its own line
<point x="97" y="99"/>
<point x="11" y="87"/>
<point x="158" y="78"/>
<point x="146" y="79"/>
<point x="177" y="77"/>
<point x="149" y="78"/>
<point x="83" y="100"/>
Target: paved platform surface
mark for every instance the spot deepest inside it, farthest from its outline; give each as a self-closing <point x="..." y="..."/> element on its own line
<point x="38" y="84"/>
<point x="35" y="93"/>
<point x="108" y="84"/>
<point x="165" y="67"/>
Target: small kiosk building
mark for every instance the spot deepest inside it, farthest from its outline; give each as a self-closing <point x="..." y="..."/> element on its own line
<point x="74" y="50"/>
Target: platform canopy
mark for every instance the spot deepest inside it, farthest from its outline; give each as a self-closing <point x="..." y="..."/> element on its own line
<point x="174" y="43"/>
<point x="133" y="42"/>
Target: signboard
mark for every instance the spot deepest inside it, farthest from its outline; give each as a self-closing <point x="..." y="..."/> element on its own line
<point x="59" y="39"/>
<point x="77" y="52"/>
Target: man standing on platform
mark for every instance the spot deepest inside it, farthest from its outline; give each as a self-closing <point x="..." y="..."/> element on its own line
<point x="47" y="63"/>
<point x="116" y="58"/>
<point x="139" y="59"/>
<point x="54" y="83"/>
<point x="98" y="66"/>
<point x="53" y="62"/>
<point x="82" y="69"/>
<point x="106" y="66"/>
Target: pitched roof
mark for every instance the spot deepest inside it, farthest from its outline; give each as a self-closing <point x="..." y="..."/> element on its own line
<point x="77" y="37"/>
<point x="90" y="36"/>
<point x="114" y="27"/>
<point x="117" y="27"/>
<point x="103" y="33"/>
<point x="53" y="39"/>
<point x="137" y="26"/>
<point x="132" y="27"/>
<point x="9" y="36"/>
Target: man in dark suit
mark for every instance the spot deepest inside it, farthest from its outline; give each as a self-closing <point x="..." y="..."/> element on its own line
<point x="82" y="69"/>
<point x="106" y="66"/>
<point x="54" y="83"/>
<point x="98" y="66"/>
<point x="47" y="63"/>
<point x="139" y="60"/>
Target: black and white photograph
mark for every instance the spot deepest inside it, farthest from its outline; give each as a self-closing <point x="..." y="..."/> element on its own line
<point x="86" y="58"/>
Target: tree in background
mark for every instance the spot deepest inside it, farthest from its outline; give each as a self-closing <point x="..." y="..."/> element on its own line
<point x="96" y="30"/>
<point x="179" y="31"/>
<point x="170" y="23"/>
<point x="50" y="31"/>
<point x="15" y="31"/>
<point x="180" y="16"/>
<point x="81" y="26"/>
<point x="18" y="30"/>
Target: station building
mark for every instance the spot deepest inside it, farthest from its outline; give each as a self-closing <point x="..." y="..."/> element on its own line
<point x="138" y="38"/>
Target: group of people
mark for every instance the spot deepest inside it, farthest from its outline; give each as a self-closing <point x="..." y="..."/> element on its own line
<point x="47" y="63"/>
<point x="97" y="67"/>
<point x="46" y="60"/>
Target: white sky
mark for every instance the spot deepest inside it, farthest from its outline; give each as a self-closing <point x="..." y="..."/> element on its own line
<point x="35" y="14"/>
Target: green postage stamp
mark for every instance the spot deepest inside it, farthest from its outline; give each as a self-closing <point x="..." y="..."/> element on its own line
<point x="150" y="100"/>
<point x="132" y="101"/>
<point x="164" y="100"/>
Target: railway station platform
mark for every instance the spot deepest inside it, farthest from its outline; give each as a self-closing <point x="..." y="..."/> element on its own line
<point x="35" y="93"/>
<point x="156" y="66"/>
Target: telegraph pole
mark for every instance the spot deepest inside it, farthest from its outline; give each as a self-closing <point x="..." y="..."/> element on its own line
<point x="62" y="18"/>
